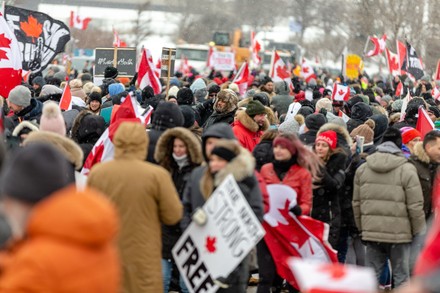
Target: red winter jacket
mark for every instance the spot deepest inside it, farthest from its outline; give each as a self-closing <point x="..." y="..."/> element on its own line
<point x="297" y="177"/>
<point x="247" y="131"/>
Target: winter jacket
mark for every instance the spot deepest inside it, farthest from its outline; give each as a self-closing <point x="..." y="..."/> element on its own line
<point x="387" y="197"/>
<point x="204" y="110"/>
<point x="344" y="140"/>
<point x="309" y="137"/>
<point x="217" y="117"/>
<point x="69" y="247"/>
<point x="263" y="153"/>
<point x="426" y="170"/>
<point x="180" y="176"/>
<point x="326" y="198"/>
<point x="280" y="103"/>
<point x="152" y="200"/>
<point x="31" y="113"/>
<point x="298" y="178"/>
<point x="247" y="131"/>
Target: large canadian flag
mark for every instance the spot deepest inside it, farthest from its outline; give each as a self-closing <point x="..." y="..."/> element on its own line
<point x="78" y="22"/>
<point x="307" y="71"/>
<point x="255" y="49"/>
<point x="340" y="92"/>
<point x="104" y="150"/>
<point x="424" y="123"/>
<point x="242" y="78"/>
<point x="379" y="46"/>
<point x="316" y="277"/>
<point x="393" y="62"/>
<point x="435" y="94"/>
<point x="279" y="71"/>
<point x="10" y="59"/>
<point x="147" y="74"/>
<point x="288" y="235"/>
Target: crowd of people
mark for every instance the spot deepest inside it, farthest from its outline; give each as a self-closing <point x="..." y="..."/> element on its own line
<point x="370" y="177"/>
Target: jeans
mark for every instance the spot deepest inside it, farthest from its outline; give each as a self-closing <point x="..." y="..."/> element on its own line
<point x="416" y="247"/>
<point x="356" y="251"/>
<point x="167" y="268"/>
<point x="377" y="254"/>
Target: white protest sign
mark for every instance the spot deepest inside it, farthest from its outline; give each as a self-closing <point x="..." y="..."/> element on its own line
<point x="223" y="61"/>
<point x="206" y="253"/>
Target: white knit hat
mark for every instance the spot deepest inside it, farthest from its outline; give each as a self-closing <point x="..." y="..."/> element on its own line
<point x="52" y="120"/>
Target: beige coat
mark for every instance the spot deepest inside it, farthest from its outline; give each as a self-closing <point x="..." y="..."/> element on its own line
<point x="145" y="197"/>
<point x="387" y="199"/>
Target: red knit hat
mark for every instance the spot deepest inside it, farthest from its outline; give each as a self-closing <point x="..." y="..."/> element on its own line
<point x="330" y="137"/>
<point x="286" y="143"/>
<point x="409" y="135"/>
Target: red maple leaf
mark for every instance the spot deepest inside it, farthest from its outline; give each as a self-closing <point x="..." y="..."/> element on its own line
<point x="282" y="72"/>
<point x="292" y="237"/>
<point x="341" y="92"/>
<point x="306" y="70"/>
<point x="210" y="244"/>
<point x="393" y="64"/>
<point x="335" y="270"/>
<point x="5" y="43"/>
<point x="31" y="28"/>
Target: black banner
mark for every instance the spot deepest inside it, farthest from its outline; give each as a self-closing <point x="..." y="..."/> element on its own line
<point x="412" y="63"/>
<point x="39" y="36"/>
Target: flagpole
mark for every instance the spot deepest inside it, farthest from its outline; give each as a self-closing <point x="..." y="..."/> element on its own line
<point x="3" y="8"/>
<point x="271" y="63"/>
<point x="169" y="72"/>
<point x="366" y="45"/>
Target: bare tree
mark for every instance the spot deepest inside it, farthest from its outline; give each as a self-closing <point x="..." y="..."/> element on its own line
<point x="93" y="37"/>
<point x="141" y="25"/>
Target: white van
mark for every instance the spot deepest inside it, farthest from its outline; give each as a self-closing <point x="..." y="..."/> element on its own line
<point x="197" y="55"/>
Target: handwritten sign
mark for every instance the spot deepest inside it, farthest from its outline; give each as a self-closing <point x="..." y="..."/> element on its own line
<point x="126" y="61"/>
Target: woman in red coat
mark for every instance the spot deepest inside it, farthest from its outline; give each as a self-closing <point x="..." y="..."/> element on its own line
<point x="294" y="165"/>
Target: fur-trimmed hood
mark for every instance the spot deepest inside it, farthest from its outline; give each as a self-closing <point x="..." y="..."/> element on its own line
<point x="66" y="146"/>
<point x="249" y="123"/>
<point x="164" y="146"/>
<point x="340" y="130"/>
<point x="241" y="167"/>
<point x="23" y="125"/>
<point x="87" y="127"/>
<point x="420" y="153"/>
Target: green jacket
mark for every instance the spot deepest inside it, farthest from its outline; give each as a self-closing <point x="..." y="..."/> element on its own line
<point x="387" y="197"/>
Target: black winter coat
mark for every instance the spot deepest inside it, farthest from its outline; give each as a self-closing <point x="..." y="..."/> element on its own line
<point x="326" y="206"/>
<point x="309" y="137"/>
<point x="219" y="117"/>
<point x="263" y="153"/>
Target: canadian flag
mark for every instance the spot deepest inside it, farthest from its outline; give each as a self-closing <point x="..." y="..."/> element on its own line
<point x="10" y="59"/>
<point x="255" y="49"/>
<point x="158" y="67"/>
<point x="66" y="99"/>
<point x="117" y="42"/>
<point x="340" y="92"/>
<point x="316" y="277"/>
<point x="393" y="62"/>
<point x="437" y="71"/>
<point x="147" y="74"/>
<point x="79" y="22"/>
<point x="307" y="71"/>
<point x="343" y="116"/>
<point x="435" y="93"/>
<point x="209" y="61"/>
<point x="279" y="71"/>
<point x="184" y="66"/>
<point x="379" y="46"/>
<point x="242" y="78"/>
<point x="399" y="90"/>
<point x="288" y="235"/>
<point x="104" y="150"/>
<point x="424" y="123"/>
<point x="401" y="52"/>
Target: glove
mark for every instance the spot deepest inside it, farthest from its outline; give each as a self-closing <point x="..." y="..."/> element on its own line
<point x="296" y="210"/>
<point x="199" y="217"/>
<point x="221" y="282"/>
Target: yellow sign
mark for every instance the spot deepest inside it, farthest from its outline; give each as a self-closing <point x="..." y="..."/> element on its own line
<point x="353" y="66"/>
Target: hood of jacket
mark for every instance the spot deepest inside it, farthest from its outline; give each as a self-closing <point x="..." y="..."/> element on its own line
<point x="388" y="157"/>
<point x="341" y="131"/>
<point x="130" y="141"/>
<point x="361" y="111"/>
<point x="87" y="128"/>
<point x="66" y="146"/>
<point x="164" y="146"/>
<point x="218" y="130"/>
<point x="83" y="217"/>
<point x="24" y="124"/>
<point x="250" y="123"/>
<point x="282" y="88"/>
<point x="420" y="153"/>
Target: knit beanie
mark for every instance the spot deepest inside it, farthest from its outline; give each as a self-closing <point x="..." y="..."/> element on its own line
<point x="38" y="80"/>
<point x="20" y="96"/>
<point x="52" y="120"/>
<point x="172" y="92"/>
<point x="366" y="130"/>
<point x="185" y="96"/>
<point x="115" y="89"/>
<point x="188" y="116"/>
<point x="110" y="72"/>
<point x="330" y="137"/>
<point x="285" y="141"/>
<point x="386" y="99"/>
<point x="324" y="104"/>
<point x="34" y="172"/>
<point x="95" y="96"/>
<point x="255" y="108"/>
<point x="315" y="121"/>
<point x="392" y="134"/>
<point x="408" y="134"/>
<point x="397" y="105"/>
<point x="213" y="88"/>
<point x="305" y="111"/>
<point x="233" y="86"/>
<point x="263" y="98"/>
<point x="224" y="153"/>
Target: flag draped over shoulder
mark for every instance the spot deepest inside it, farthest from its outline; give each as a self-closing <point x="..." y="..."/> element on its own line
<point x="288" y="235"/>
<point x="40" y="36"/>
